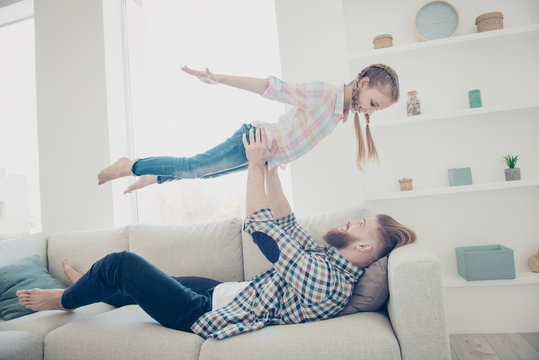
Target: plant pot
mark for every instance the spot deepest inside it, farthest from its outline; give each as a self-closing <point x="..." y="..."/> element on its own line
<point x="512" y="174"/>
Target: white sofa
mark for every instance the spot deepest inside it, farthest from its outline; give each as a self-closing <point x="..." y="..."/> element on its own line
<point x="413" y="327"/>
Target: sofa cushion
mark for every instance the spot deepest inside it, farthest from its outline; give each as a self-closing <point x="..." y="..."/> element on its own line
<point x="366" y="335"/>
<point x="83" y="248"/>
<point x="27" y="273"/>
<point x="13" y="250"/>
<point x="20" y="345"/>
<point x="210" y="250"/>
<point x="371" y="291"/>
<point x="43" y="322"/>
<point x="124" y="333"/>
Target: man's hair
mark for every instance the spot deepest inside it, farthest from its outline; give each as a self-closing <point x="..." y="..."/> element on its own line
<point x="392" y="234"/>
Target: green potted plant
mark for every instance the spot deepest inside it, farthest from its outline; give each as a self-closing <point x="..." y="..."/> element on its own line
<point x="512" y="172"/>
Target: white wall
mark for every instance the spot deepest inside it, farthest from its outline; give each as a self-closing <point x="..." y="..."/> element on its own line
<point x="72" y="110"/>
<point x="312" y="38"/>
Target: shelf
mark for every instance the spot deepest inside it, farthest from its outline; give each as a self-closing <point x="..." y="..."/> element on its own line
<point x="460" y="114"/>
<point x="455" y="189"/>
<point x="457" y="43"/>
<point x="523" y="278"/>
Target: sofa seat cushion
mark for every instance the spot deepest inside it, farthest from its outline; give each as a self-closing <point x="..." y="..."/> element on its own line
<point x="366" y="335"/>
<point x="20" y="345"/>
<point x="124" y="333"/>
<point x="43" y="322"/>
<point x="211" y="250"/>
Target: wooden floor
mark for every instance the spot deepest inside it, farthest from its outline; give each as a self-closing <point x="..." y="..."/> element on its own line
<point x="523" y="346"/>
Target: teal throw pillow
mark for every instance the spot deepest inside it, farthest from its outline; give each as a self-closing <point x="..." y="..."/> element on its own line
<point x="27" y="273"/>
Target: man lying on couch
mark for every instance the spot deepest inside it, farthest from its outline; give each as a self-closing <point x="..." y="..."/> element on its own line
<point x="307" y="282"/>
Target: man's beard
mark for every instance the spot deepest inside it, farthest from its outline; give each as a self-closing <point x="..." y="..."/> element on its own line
<point x="339" y="239"/>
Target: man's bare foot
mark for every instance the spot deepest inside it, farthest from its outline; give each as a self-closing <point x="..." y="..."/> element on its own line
<point x="122" y="167"/>
<point x="72" y="274"/>
<point x="39" y="299"/>
<point x="141" y="182"/>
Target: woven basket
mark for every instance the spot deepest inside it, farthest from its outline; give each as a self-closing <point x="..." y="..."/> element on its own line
<point x="489" y="21"/>
<point x="405" y="184"/>
<point x="382" y="41"/>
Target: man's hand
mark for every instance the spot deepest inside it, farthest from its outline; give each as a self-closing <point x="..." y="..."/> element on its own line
<point x="257" y="151"/>
<point x="204" y="76"/>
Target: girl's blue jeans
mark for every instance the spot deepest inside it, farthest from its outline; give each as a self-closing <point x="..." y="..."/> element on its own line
<point x="125" y="278"/>
<point x="225" y="158"/>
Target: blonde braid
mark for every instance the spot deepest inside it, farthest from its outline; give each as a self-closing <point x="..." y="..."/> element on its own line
<point x="360" y="155"/>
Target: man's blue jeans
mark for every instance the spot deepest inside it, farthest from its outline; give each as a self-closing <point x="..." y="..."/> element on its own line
<point x="124" y="278"/>
<point x="222" y="159"/>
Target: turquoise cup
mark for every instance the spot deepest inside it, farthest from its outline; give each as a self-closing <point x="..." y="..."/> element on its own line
<point x="474" y="96"/>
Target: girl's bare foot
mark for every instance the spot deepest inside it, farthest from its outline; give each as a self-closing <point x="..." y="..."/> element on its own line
<point x="141" y="182"/>
<point x="72" y="274"/>
<point x="122" y="167"/>
<point x="39" y="299"/>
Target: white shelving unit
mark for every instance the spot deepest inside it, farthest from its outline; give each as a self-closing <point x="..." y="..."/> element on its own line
<point x="498" y="111"/>
<point x="522" y="278"/>
<point x="448" y="134"/>
<point x="457" y="115"/>
<point x="452" y="44"/>
<point x="455" y="189"/>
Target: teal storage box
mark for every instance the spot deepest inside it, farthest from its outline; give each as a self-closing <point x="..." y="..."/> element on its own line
<point x="460" y="176"/>
<point x="487" y="262"/>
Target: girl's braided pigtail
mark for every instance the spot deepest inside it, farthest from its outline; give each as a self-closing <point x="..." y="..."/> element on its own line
<point x="373" y="154"/>
<point x="360" y="155"/>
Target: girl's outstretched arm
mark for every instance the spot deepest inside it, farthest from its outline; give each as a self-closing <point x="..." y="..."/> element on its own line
<point x="255" y="85"/>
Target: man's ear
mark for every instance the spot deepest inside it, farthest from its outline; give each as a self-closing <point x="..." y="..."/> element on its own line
<point x="364" y="247"/>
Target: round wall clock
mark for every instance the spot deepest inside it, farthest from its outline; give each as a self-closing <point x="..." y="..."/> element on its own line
<point x="436" y="20"/>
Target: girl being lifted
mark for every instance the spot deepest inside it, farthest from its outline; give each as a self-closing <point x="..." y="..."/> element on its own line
<point x="317" y="108"/>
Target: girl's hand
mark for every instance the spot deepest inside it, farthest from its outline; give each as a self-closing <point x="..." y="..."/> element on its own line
<point x="257" y="151"/>
<point x="204" y="76"/>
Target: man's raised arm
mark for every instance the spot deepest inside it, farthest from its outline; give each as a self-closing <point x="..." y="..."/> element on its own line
<point x="278" y="202"/>
<point x="257" y="153"/>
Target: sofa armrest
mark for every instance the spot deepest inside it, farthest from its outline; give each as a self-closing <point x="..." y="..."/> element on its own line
<point x="416" y="304"/>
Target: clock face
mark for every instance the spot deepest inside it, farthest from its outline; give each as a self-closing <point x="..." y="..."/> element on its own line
<point x="436" y="20"/>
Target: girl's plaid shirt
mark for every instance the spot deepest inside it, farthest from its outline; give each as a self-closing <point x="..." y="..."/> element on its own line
<point x="308" y="282"/>
<point x="316" y="110"/>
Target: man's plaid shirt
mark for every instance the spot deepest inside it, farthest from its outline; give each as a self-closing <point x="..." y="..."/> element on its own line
<point x="308" y="282"/>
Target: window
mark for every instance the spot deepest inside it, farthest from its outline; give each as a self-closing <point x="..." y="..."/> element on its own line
<point x="174" y="114"/>
<point x="20" y="212"/>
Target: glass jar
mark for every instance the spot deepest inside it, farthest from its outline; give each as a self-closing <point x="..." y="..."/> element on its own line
<point x="413" y="107"/>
